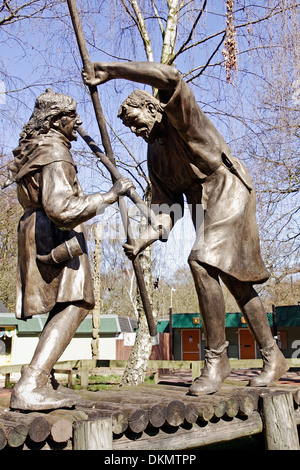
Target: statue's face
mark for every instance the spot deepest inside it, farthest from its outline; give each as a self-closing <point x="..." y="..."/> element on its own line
<point x="142" y="121"/>
<point x="68" y="125"/>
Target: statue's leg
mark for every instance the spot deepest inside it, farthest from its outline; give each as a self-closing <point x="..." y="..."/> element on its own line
<point x="274" y="363"/>
<point x="212" y="308"/>
<point x="57" y="334"/>
<point x="34" y="390"/>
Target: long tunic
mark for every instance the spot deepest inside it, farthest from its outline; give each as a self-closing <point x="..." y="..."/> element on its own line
<point x="54" y="211"/>
<point x="190" y="159"/>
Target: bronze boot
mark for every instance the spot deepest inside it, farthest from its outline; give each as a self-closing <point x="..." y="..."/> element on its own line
<point x="33" y="392"/>
<point x="274" y="367"/>
<point x="216" y="369"/>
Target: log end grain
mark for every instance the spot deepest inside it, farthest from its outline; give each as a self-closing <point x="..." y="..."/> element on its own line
<point x="246" y="405"/>
<point x="16" y="435"/>
<point x="232" y="407"/>
<point x="175" y="413"/>
<point x="138" y="421"/>
<point x="220" y="408"/>
<point x="61" y="429"/>
<point x="39" y="429"/>
<point x="191" y="413"/>
<point x="206" y="412"/>
<point x="157" y="415"/>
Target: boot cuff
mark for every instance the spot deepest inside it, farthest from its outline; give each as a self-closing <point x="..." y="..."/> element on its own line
<point x="268" y="349"/>
<point x="216" y="352"/>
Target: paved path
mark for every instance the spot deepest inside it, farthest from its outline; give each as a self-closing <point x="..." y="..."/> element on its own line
<point x="237" y="375"/>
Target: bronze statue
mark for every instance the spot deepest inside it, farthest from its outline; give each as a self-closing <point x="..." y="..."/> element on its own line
<point x="53" y="268"/>
<point x="188" y="157"/>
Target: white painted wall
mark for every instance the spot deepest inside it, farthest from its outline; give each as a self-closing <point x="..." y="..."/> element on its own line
<point x="23" y="348"/>
<point x="80" y="348"/>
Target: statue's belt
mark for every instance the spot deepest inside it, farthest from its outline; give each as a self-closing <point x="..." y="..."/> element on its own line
<point x="236" y="170"/>
<point x="231" y="165"/>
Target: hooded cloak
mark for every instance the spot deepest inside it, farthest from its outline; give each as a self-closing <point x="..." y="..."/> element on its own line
<point x="54" y="208"/>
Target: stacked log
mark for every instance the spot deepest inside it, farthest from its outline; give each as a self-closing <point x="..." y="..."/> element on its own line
<point x="133" y="410"/>
<point x="12" y="434"/>
<point x="37" y="427"/>
<point x="228" y="402"/>
<point x="57" y="426"/>
<point x="144" y="406"/>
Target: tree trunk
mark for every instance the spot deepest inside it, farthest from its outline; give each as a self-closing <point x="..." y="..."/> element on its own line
<point x="135" y="371"/>
<point x="170" y="31"/>
<point x="97" y="233"/>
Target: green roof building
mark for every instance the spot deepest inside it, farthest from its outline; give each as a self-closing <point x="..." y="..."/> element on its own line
<point x="189" y="339"/>
<point x="19" y="338"/>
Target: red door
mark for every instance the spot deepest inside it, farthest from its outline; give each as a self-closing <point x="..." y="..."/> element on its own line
<point x="247" y="345"/>
<point x="190" y="345"/>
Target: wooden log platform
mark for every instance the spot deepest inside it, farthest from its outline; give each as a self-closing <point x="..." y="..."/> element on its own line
<point x="159" y="417"/>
